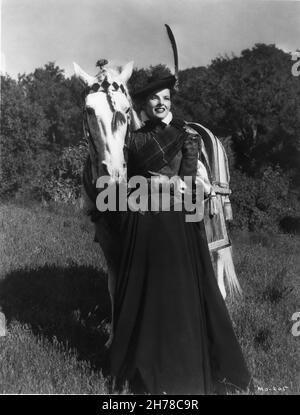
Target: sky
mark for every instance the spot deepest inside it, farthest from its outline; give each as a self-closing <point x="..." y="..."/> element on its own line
<point x="34" y="32"/>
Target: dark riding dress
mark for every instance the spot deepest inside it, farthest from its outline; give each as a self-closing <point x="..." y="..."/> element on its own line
<point x="172" y="331"/>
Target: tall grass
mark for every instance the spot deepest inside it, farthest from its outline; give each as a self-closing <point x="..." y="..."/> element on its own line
<point x="33" y="364"/>
<point x="53" y="291"/>
<point x="268" y="268"/>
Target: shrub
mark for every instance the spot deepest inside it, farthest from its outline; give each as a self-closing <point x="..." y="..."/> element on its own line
<point x="261" y="203"/>
<point x="56" y="178"/>
<point x="64" y="186"/>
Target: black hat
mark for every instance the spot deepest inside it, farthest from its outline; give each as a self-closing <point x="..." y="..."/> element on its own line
<point x="155" y="83"/>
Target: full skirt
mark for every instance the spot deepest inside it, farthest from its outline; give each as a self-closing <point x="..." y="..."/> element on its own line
<point x="172" y="330"/>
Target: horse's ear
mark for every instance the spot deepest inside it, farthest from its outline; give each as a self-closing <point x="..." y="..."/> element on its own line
<point x="83" y="76"/>
<point x="127" y="71"/>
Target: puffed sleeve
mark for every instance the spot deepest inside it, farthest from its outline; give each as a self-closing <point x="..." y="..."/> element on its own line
<point x="190" y="150"/>
<point x="130" y="153"/>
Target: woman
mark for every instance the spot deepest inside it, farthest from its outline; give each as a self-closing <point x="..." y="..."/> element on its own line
<point x="172" y="331"/>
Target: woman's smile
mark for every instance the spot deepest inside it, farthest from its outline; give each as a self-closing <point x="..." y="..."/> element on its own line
<point x="160" y="109"/>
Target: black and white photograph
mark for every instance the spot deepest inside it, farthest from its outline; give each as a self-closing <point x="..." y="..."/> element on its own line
<point x="150" y="200"/>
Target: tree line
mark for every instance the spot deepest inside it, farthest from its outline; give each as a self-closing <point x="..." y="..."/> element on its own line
<point x="251" y="101"/>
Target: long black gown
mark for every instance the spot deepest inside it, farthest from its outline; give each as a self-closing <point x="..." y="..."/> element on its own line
<point x="172" y="331"/>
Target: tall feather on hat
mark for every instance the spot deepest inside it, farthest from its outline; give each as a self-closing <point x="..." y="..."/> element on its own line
<point x="175" y="55"/>
<point x="156" y="82"/>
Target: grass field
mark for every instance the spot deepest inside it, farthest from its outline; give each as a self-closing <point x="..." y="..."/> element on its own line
<point x="53" y="291"/>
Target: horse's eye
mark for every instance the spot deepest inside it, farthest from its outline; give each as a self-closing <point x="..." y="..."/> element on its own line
<point x="95" y="87"/>
<point x="127" y="111"/>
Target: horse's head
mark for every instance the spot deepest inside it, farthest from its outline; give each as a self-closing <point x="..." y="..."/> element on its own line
<point x="107" y="112"/>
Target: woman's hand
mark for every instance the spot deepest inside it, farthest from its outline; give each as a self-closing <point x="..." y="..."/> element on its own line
<point x="157" y="179"/>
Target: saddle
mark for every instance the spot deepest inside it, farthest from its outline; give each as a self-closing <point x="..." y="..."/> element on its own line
<point x="214" y="158"/>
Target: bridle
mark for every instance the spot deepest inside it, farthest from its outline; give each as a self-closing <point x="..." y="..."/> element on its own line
<point x="108" y="88"/>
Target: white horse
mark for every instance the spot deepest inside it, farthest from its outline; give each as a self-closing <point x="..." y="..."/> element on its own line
<point x="108" y="114"/>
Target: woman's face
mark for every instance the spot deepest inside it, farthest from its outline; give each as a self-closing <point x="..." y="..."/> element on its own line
<point x="158" y="104"/>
